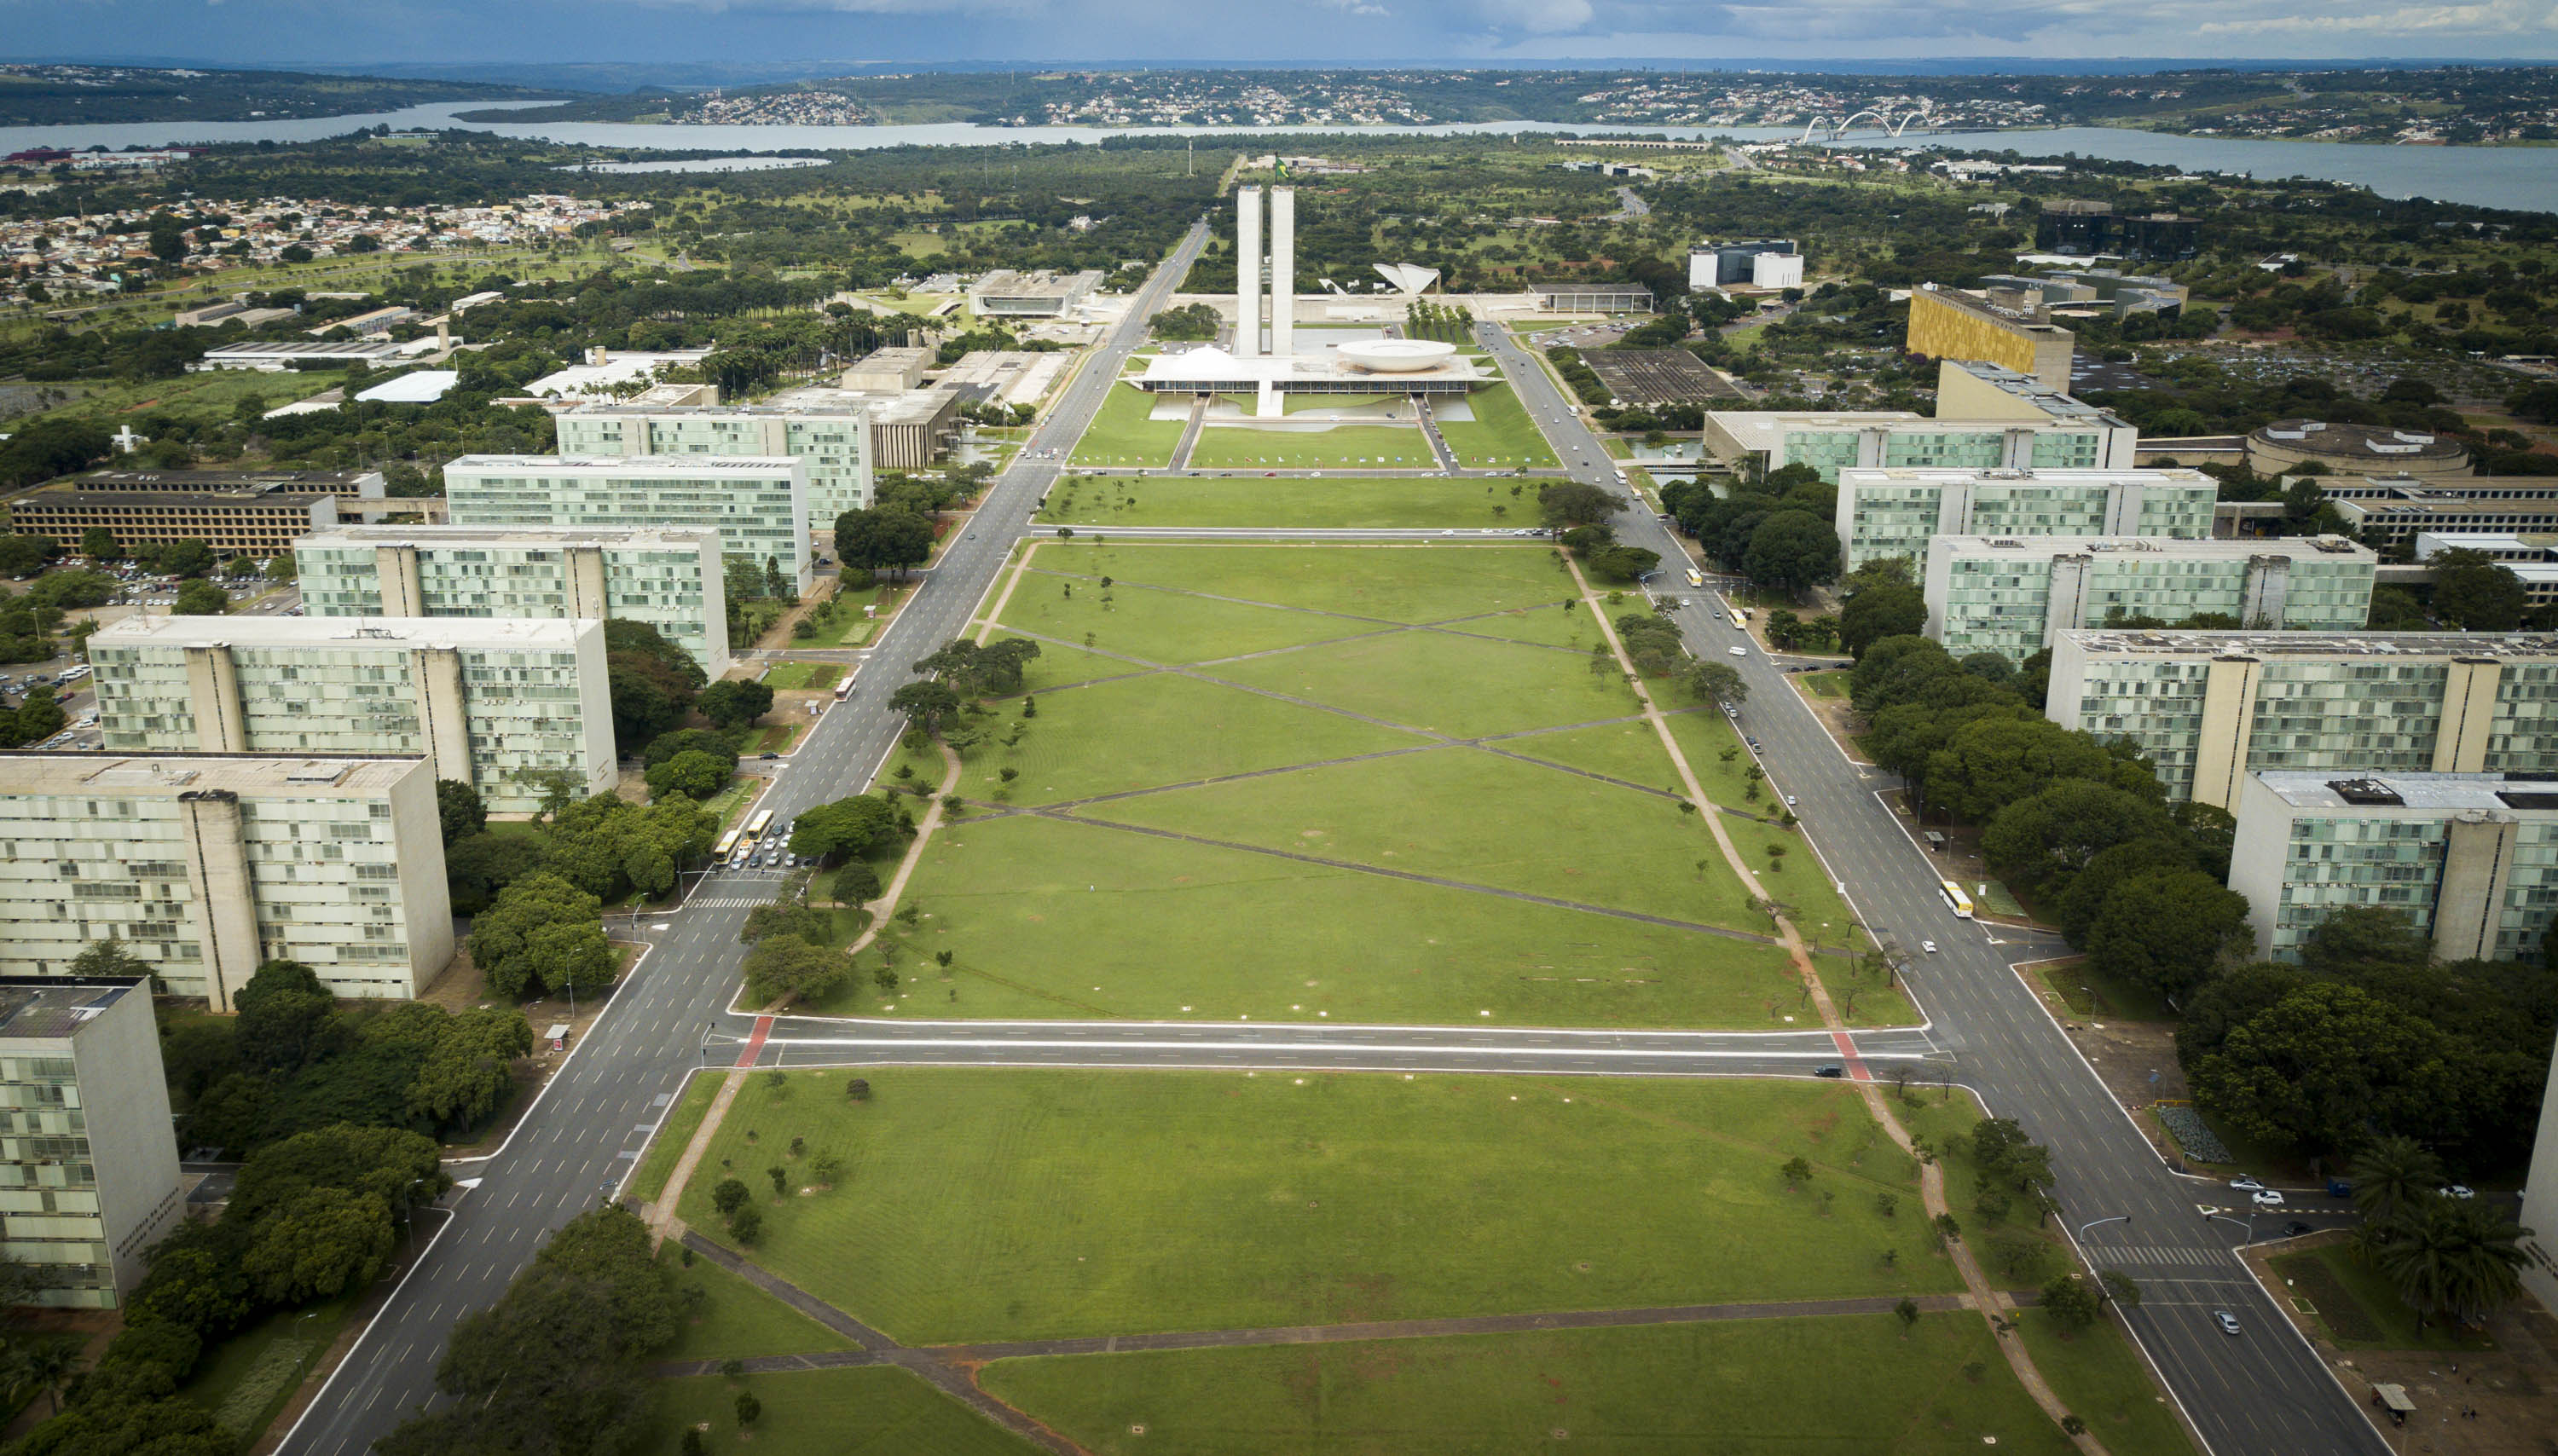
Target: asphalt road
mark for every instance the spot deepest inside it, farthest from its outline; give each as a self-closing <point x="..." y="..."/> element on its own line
<point x="2261" y="1392"/>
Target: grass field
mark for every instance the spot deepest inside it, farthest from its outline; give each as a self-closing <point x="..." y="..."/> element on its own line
<point x="735" y="1320"/>
<point x="878" y="1410"/>
<point x="1183" y="500"/>
<point x="650" y="1179"/>
<point x="796" y="676"/>
<point x="1339" y="446"/>
<point x="1823" y="684"/>
<point x="1843" y="1386"/>
<point x="2099" y="1376"/>
<point x="1500" y="435"/>
<point x="1457" y="824"/>
<point x="245" y="1379"/>
<point x="2358" y="1308"/>
<point x="1130" y="1201"/>
<point x="1121" y="435"/>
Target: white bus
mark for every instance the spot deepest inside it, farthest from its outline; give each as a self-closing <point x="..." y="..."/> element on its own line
<point x="1955" y="900"/>
<point x="844" y="689"/>
<point x="756" y="826"/>
<point x="727" y="846"/>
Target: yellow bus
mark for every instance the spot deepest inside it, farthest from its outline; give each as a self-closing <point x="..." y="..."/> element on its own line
<point x="1695" y="578"/>
<point x="756" y="826"/>
<point x="727" y="845"/>
<point x="1955" y="900"/>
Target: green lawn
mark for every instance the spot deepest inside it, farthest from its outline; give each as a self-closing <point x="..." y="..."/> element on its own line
<point x="735" y="1320"/>
<point x="245" y="1379"/>
<point x="871" y="1410"/>
<point x="774" y="738"/>
<point x="2102" y="1380"/>
<point x="1120" y="1202"/>
<point x="1235" y="446"/>
<point x="1500" y="435"/>
<point x="850" y="628"/>
<point x="797" y="676"/>
<point x="2358" y="1308"/>
<point x="1823" y="684"/>
<point x="212" y="395"/>
<point x="682" y="1118"/>
<point x="1121" y="435"/>
<point x="2114" y="999"/>
<point x="1102" y="503"/>
<point x="1841" y="1386"/>
<point x="1401" y="583"/>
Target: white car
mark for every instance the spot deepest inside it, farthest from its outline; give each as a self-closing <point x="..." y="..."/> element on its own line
<point x="2245" y="1185"/>
<point x="2265" y="1198"/>
<point x="2461" y="1191"/>
<point x="1740" y="651"/>
<point x="1789" y="801"/>
<point x="1927" y="946"/>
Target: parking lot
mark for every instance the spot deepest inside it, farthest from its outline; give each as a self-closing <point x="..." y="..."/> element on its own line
<point x="1658" y="377"/>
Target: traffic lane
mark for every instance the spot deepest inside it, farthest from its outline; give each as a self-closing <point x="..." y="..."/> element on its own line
<point x="1814" y="1044"/>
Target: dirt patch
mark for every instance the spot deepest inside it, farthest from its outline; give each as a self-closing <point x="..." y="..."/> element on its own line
<point x="1841" y="722"/>
<point x="2136" y="1060"/>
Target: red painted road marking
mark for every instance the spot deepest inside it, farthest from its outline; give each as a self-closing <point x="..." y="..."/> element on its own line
<point x="1856" y="1068"/>
<point x="755" y="1043"/>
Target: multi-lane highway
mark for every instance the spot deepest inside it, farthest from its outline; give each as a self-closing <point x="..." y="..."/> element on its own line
<point x="2261" y="1392"/>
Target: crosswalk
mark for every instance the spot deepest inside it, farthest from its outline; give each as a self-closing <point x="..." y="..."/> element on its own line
<point x="2108" y="1254"/>
<point x="727" y="902"/>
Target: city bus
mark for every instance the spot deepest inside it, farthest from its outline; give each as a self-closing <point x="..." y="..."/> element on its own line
<point x="844" y="689"/>
<point x="1741" y="617"/>
<point x="756" y="826"/>
<point x="727" y="846"/>
<point x="1695" y="578"/>
<point x="1955" y="900"/>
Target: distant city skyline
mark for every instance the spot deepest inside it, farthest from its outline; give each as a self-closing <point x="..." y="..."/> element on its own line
<point x="406" y="34"/>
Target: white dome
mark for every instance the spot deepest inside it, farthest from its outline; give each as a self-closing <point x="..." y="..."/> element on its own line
<point x="1396" y="355"/>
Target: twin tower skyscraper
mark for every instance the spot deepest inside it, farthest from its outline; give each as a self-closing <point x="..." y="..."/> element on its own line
<point x="1249" y="264"/>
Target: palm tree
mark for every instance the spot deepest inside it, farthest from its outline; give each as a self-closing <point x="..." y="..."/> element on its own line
<point x="48" y="1365"/>
<point x="2394" y="1175"/>
<point x="2453" y="1255"/>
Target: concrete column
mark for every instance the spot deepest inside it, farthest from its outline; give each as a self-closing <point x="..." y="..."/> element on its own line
<point x="2065" y="602"/>
<point x="2123" y="501"/>
<point x="2477" y="857"/>
<point x="1247" y="271"/>
<point x="2228" y="726"/>
<point x="1869" y="448"/>
<point x="1954" y="509"/>
<point x="2260" y="602"/>
<point x="212" y="694"/>
<point x="398" y="583"/>
<point x="586" y="594"/>
<point x="223" y="916"/>
<point x="2016" y="451"/>
<point x="2468" y="714"/>
<point x="435" y="674"/>
<point x="1283" y="268"/>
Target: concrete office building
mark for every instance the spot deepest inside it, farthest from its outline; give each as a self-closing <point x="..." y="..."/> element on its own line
<point x="2401" y="509"/>
<point x="1592" y="297"/>
<point x="2533" y="558"/>
<point x="2211" y="707"/>
<point x="888" y="370"/>
<point x="672" y="579"/>
<point x="1005" y="293"/>
<point x="256" y="518"/>
<point x="828" y="435"/>
<point x="1769" y="263"/>
<point x="89" y="1165"/>
<point x="2354" y="449"/>
<point x="491" y="704"/>
<point x="1829" y="440"/>
<point x="2470" y="859"/>
<point x="1250" y="267"/>
<point x="1968" y="389"/>
<point x="1945" y="324"/>
<point x="1892" y="512"/>
<point x="2540" y="1201"/>
<point x="758" y="503"/>
<point x="2014" y="595"/>
<point x="207" y="866"/>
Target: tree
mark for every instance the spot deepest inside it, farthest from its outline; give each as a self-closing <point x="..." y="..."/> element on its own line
<point x="2323" y="1064"/>
<point x="787" y="968"/>
<point x="729" y="1196"/>
<point x="468" y="1073"/>
<point x="39" y="717"/>
<point x="283" y="1024"/>
<point x="694" y="775"/>
<point x="1716" y="681"/>
<point x="2071" y="1301"/>
<point x="1990" y="764"/>
<point x="1572" y="503"/>
<point x="734" y="702"/>
<point x="201" y="599"/>
<point x="2353" y="941"/>
<point x="720" y="745"/>
<point x="2118" y="1287"/>
<point x="2394" y="1175"/>
<point x="1791" y="551"/>
<point x="458" y="809"/>
<point x="1797" y="1171"/>
<point x="746" y="1223"/>
<point x="850" y="825"/>
<point x="2167" y="929"/>
<point x="2476" y="593"/>
<point x="747" y="1408"/>
<point x="108" y="959"/>
<point x="652" y="681"/>
<point x="542" y="933"/>
<point x="1889" y="609"/>
<point x="858" y="1089"/>
<point x="97" y="543"/>
<point x="319" y="1244"/>
<point x="884" y="538"/>
<point x="2056" y="832"/>
<point x="2459" y="1255"/>
<point x="825" y="1167"/>
<point x="924" y="704"/>
<point x="2086" y="891"/>
<point x="781" y="1177"/>
<point x="1906" y="1311"/>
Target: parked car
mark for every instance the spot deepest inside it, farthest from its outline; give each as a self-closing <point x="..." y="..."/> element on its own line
<point x="1829" y="1071"/>
<point x="2460" y="1191"/>
<point x="2245" y="1185"/>
<point x="2265" y="1198"/>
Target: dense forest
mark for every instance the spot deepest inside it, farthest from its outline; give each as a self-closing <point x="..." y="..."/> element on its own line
<point x="56" y="95"/>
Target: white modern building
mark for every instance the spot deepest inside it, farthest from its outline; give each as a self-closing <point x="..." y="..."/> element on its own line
<point x="2470" y="859"/>
<point x="1830" y="441"/>
<point x="1005" y="293"/>
<point x="498" y="704"/>
<point x="758" y="503"/>
<point x="206" y="865"/>
<point x="2211" y="707"/>
<point x="1762" y="263"/>
<point x="88" y="1162"/>
<point x="2014" y="595"/>
<point x="1252" y="266"/>
<point x="831" y="438"/>
<point x="1891" y="512"/>
<point x="670" y="578"/>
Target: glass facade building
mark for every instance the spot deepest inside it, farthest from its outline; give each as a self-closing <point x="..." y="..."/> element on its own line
<point x="89" y="1165"/>
<point x="832" y="442"/>
<point x="758" y="503"/>
<point x="1889" y="512"/>
<point x="2013" y="594"/>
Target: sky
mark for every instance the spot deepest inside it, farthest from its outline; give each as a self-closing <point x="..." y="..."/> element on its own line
<point x="344" y="32"/>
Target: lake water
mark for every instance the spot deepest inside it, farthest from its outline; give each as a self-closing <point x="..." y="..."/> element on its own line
<point x="2524" y="178"/>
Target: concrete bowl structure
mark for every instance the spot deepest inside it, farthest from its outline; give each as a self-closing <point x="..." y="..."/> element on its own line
<point x="1396" y="355"/>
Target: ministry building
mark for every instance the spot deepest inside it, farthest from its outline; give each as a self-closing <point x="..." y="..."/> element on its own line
<point x="758" y="503"/>
<point x="2014" y="595"/>
<point x="1894" y="512"/>
<point x="832" y="440"/>
<point x="499" y="704"/>
<point x="206" y="865"/>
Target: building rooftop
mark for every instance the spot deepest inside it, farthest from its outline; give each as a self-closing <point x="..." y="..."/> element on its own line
<point x="626" y="465"/>
<point x="277" y="495"/>
<point x="313" y="483"/>
<point x="390" y="633"/>
<point x="370" y="349"/>
<point x="2357" y="443"/>
<point x="2057" y="475"/>
<point x="559" y="536"/>
<point x="1010" y="284"/>
<point x="783" y="406"/>
<point x="2298" y="548"/>
<point x="898" y="407"/>
<point x="180" y="772"/>
<point x="617" y="367"/>
<point x="56" y="1007"/>
<point x="1208" y="362"/>
<point x="2167" y="644"/>
<point x="2059" y="405"/>
<point x="2453" y="793"/>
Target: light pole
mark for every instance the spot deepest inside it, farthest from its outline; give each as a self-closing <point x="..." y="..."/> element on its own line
<point x="2248" y="1228"/>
